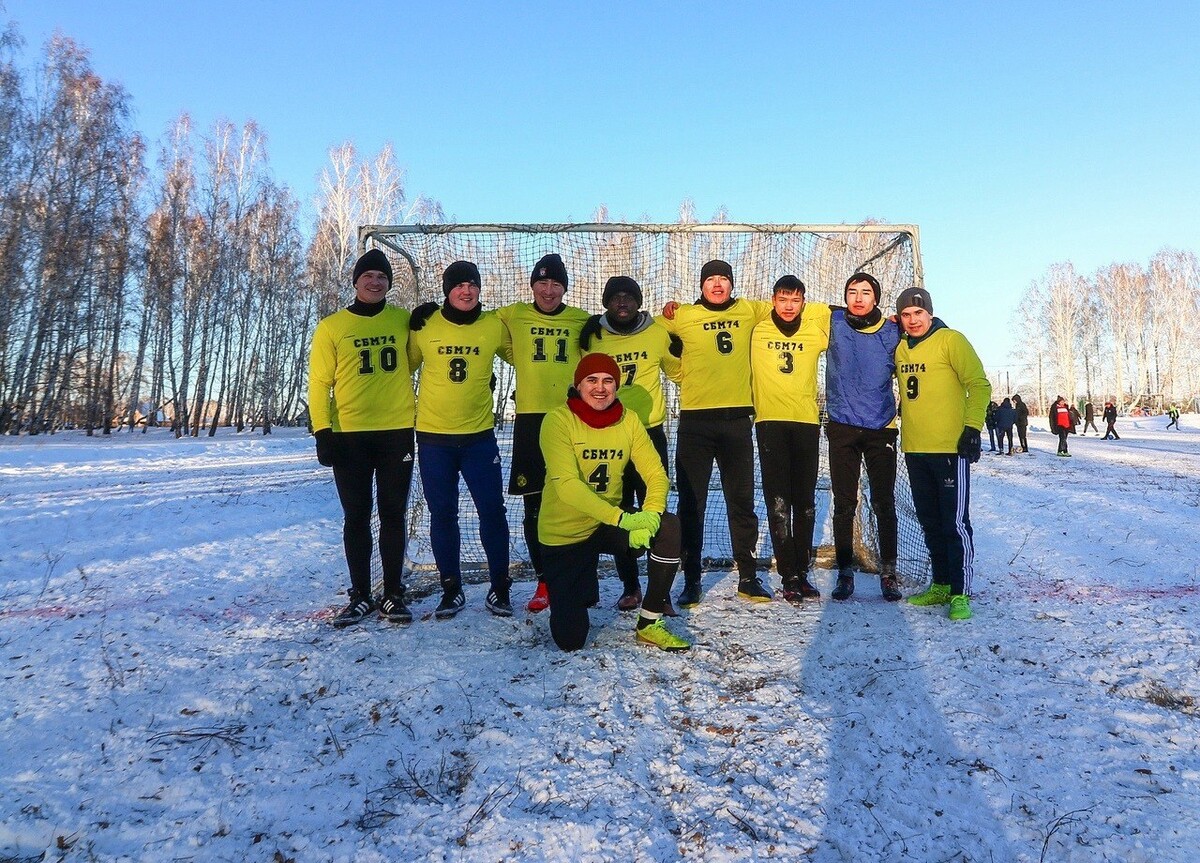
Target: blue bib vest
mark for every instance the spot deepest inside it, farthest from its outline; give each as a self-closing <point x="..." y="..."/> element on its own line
<point x="858" y="374"/>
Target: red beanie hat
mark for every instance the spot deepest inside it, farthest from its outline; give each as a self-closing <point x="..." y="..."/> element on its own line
<point x="595" y="363"/>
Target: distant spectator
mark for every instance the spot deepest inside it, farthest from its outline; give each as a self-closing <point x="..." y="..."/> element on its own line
<point x="989" y="421"/>
<point x="1110" y="420"/>
<point x="1060" y="423"/>
<point x="1006" y="415"/>
<point x="1089" y="418"/>
<point x="1076" y="419"/>
<point x="1173" y="413"/>
<point x="1022" y="410"/>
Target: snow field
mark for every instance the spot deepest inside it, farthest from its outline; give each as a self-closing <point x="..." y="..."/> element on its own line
<point x="172" y="688"/>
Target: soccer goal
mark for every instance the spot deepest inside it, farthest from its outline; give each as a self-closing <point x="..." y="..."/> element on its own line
<point x="666" y="262"/>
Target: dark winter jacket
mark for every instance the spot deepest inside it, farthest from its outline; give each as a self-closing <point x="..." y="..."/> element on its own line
<point x="1022" y="410"/>
<point x="1110" y="413"/>
<point x="989" y="419"/>
<point x="1006" y="415"/>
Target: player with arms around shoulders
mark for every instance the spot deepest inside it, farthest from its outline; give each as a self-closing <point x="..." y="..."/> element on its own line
<point x="944" y="394"/>
<point x="715" y="423"/>
<point x="360" y="399"/>
<point x="456" y="437"/>
<point x="861" y="428"/>
<point x="641" y="348"/>
<point x="784" y="355"/>
<point x="542" y="344"/>
<point x="587" y="443"/>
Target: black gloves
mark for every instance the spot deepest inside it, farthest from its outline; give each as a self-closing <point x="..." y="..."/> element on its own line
<point x="676" y="347"/>
<point x="591" y="328"/>
<point x="968" y="444"/>
<point x="329" y="448"/>
<point x="421" y="314"/>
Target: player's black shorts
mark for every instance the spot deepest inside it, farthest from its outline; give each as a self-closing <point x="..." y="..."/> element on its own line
<point x="527" y="474"/>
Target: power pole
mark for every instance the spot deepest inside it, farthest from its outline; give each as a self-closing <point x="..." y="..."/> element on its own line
<point x="1041" y="391"/>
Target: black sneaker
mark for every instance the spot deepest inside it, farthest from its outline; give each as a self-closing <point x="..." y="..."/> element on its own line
<point x="359" y="607"/>
<point x="754" y="590"/>
<point x="393" y="609"/>
<point x="844" y="589"/>
<point x="796" y="592"/>
<point x="498" y="603"/>
<point x="889" y="583"/>
<point x="791" y="595"/>
<point x="451" y="604"/>
<point x="690" y="595"/>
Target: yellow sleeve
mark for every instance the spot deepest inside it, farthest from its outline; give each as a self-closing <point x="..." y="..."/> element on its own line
<point x="506" y="345"/>
<point x="671" y="367"/>
<point x="974" y="380"/>
<point x="322" y="364"/>
<point x="821" y="313"/>
<point x="650" y="469"/>
<point x="763" y="309"/>
<point x="415" y="356"/>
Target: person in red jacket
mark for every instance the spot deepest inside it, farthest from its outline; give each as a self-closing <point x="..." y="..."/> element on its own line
<point x="1060" y="423"/>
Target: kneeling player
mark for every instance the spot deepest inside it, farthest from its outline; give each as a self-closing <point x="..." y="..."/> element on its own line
<point x="586" y="444"/>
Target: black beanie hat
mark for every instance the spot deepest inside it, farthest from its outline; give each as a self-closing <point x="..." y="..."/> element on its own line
<point x="549" y="267"/>
<point x="459" y="272"/>
<point x="372" y="260"/>
<point x="918" y="297"/>
<point x="716" y="268"/>
<point x="788" y="283"/>
<point x="621" y="285"/>
<point x="869" y="279"/>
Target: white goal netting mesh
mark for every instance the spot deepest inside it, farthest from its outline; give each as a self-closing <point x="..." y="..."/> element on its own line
<point x="666" y="262"/>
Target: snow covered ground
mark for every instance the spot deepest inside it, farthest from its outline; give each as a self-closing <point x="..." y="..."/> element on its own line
<point x="172" y="689"/>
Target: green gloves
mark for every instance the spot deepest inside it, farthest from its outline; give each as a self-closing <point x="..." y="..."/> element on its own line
<point x="641" y="526"/>
<point x="632" y="521"/>
<point x="640" y="538"/>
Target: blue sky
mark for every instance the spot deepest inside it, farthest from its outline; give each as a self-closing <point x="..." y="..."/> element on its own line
<point x="1015" y="134"/>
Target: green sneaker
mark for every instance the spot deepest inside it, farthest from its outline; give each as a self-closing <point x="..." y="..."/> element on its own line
<point x="960" y="607"/>
<point x="659" y="636"/>
<point x="935" y="594"/>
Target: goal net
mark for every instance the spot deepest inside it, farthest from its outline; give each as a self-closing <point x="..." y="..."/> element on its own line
<point x="665" y="260"/>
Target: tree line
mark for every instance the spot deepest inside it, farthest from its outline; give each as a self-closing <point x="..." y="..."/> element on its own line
<point x="1128" y="332"/>
<point x="178" y="282"/>
<point x="171" y="283"/>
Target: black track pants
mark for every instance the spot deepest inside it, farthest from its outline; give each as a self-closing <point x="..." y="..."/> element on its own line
<point x="788" y="454"/>
<point x="849" y="448"/>
<point x="703" y="440"/>
<point x="386" y="458"/>
<point x="941" y="491"/>
<point x="574" y="587"/>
